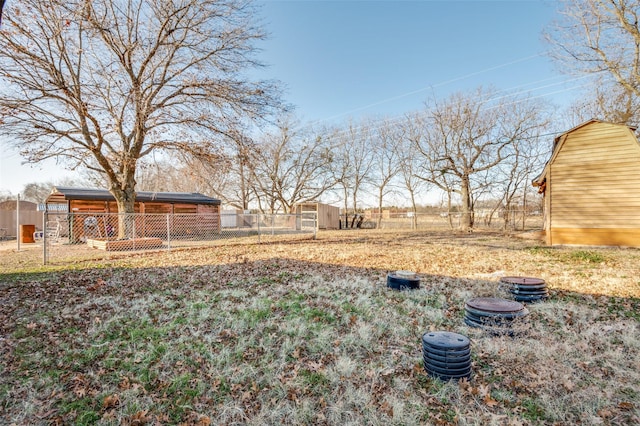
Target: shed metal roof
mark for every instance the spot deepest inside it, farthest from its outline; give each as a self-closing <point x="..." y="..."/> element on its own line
<point x="61" y="194"/>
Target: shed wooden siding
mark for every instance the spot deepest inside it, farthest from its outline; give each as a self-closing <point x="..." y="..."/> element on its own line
<point x="328" y="216"/>
<point x="183" y="222"/>
<point x="593" y="187"/>
<point x="152" y="225"/>
<point x="88" y="206"/>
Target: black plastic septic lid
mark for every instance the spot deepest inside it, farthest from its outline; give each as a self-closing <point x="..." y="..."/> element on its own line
<point x="496" y="315"/>
<point x="535" y="292"/>
<point x="494" y="304"/>
<point x="530" y="298"/>
<point x="447" y="377"/>
<point x="527" y="287"/>
<point x="522" y="280"/>
<point x="465" y="363"/>
<point x="454" y="372"/>
<point x="445" y="340"/>
<point x="446" y="352"/>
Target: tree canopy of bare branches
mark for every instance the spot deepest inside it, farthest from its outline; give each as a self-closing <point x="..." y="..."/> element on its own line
<point x="353" y="162"/>
<point x="291" y="167"/>
<point x="103" y="84"/>
<point x="602" y="37"/>
<point x="605" y="102"/>
<point x="466" y="136"/>
<point x="387" y="160"/>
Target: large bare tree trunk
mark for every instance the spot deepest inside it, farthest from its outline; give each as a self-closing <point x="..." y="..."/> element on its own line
<point x="466" y="211"/>
<point x="379" y="221"/>
<point x="464" y="142"/>
<point x="125" y="200"/>
<point x="414" y="210"/>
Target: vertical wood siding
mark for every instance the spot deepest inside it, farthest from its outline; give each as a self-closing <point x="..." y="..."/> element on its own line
<point x="328" y="216"/>
<point x="153" y="223"/>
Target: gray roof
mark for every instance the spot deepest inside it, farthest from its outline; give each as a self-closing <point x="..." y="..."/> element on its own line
<point x="61" y="193"/>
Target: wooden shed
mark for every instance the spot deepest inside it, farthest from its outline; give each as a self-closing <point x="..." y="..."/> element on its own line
<point x="591" y="186"/>
<point x="328" y="215"/>
<point x="152" y="209"/>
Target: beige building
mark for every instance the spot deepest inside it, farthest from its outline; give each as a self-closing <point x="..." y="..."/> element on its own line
<point x="328" y="217"/>
<point x="591" y="186"/>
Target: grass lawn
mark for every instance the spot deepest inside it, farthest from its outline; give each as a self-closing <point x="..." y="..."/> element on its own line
<point x="306" y="332"/>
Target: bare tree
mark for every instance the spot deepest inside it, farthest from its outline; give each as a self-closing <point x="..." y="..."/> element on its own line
<point x="428" y="168"/>
<point x="342" y="173"/>
<point x="607" y="103"/>
<point x="409" y="164"/>
<point x="353" y="163"/>
<point x="467" y="135"/>
<point x="240" y="190"/>
<point x="291" y="167"/>
<point x="513" y="176"/>
<point x="602" y="38"/>
<point x="385" y="141"/>
<point x="37" y="192"/>
<point x="105" y="83"/>
<point x="226" y="175"/>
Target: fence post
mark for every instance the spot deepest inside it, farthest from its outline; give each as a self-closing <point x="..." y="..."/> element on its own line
<point x="133" y="235"/>
<point x="45" y="220"/>
<point x="18" y="221"/>
<point x="259" y="231"/>
<point x="168" y="233"/>
<point x="315" y="225"/>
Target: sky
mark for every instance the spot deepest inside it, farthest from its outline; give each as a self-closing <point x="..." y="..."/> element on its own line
<point x="342" y="60"/>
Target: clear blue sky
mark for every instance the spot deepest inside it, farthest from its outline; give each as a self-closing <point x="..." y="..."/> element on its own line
<point x="353" y="59"/>
<point x="342" y="59"/>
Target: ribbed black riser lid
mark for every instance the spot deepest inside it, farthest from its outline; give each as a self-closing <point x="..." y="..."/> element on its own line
<point x="526" y="289"/>
<point x="403" y="280"/>
<point x="446" y="355"/>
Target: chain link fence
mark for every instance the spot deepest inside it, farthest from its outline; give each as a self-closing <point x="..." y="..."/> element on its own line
<point x="71" y="234"/>
<point x="514" y="220"/>
<point x="69" y="237"/>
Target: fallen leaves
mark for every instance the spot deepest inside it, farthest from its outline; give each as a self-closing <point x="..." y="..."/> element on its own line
<point x="624" y="405"/>
<point x="97" y="285"/>
<point x="247" y="333"/>
<point x="110" y="401"/>
<point x="489" y="401"/>
<point x="138" y="419"/>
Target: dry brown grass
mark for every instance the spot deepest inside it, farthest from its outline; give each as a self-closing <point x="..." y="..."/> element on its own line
<point x="306" y="332"/>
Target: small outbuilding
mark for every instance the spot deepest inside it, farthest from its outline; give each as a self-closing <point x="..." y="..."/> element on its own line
<point x="328" y="216"/>
<point x="591" y="186"/>
<point x="9" y="219"/>
<point x="152" y="208"/>
<point x="88" y="200"/>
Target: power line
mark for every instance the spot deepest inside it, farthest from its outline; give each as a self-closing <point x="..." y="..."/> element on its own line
<point x="430" y="87"/>
<point x="397" y="120"/>
<point x="509" y="93"/>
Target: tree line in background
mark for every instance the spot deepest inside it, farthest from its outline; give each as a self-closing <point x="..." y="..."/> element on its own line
<point x="473" y="148"/>
<point x="470" y="148"/>
<point x="149" y="95"/>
